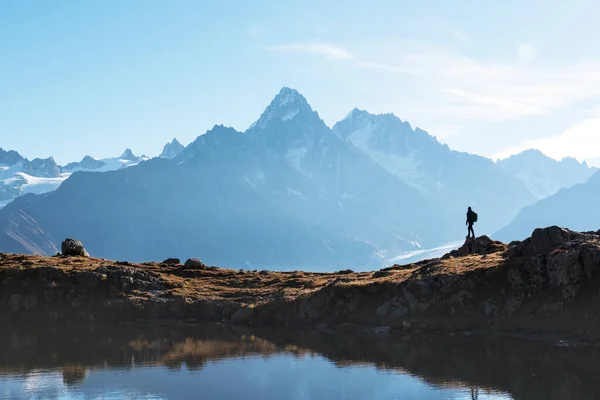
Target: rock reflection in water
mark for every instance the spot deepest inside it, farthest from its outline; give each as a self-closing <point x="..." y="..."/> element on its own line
<point x="224" y="362"/>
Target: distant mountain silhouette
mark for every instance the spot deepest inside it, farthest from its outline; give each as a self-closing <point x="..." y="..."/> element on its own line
<point x="575" y="207"/>
<point x="18" y="175"/>
<point x="455" y="180"/>
<point x="543" y="175"/>
<point x="89" y="163"/>
<point x="172" y="150"/>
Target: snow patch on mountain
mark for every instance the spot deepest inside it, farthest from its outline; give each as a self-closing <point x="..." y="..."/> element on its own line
<point x="290" y="115"/>
<point x="294" y="159"/>
<point x="37" y="185"/>
<point x="92" y="164"/>
<point x="403" y="166"/>
<point x="294" y="192"/>
<point x="21" y="183"/>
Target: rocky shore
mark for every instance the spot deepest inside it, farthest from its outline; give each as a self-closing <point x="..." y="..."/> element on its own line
<point x="548" y="284"/>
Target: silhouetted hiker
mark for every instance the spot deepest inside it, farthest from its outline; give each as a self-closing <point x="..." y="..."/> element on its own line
<point x="471" y="219"/>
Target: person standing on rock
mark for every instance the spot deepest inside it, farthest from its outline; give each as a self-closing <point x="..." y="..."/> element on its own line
<point x="471" y="219"/>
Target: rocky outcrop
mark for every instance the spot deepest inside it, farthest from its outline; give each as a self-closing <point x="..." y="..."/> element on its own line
<point x="554" y="258"/>
<point x="548" y="283"/>
<point x="548" y="239"/>
<point x="482" y="245"/>
<point x="72" y="247"/>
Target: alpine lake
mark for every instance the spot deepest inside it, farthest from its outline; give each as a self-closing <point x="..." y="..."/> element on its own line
<point x="188" y="361"/>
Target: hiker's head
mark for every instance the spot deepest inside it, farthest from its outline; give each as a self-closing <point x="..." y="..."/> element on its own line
<point x="469" y="208"/>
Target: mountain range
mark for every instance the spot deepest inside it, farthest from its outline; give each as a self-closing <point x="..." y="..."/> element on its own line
<point x="289" y="192"/>
<point x="19" y="176"/>
<point x="575" y="207"/>
<point x="545" y="176"/>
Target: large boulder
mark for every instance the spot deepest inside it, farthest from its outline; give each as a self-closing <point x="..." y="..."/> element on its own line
<point x="545" y="240"/>
<point x="194" y="263"/>
<point x="481" y="245"/>
<point x="72" y="247"/>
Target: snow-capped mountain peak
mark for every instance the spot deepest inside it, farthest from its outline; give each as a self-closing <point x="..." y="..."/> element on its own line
<point x="382" y="132"/>
<point x="288" y="96"/>
<point x="286" y="106"/>
<point x="360" y="119"/>
<point x="543" y="175"/>
<point x="172" y="149"/>
<point x="356" y="113"/>
<point x="128" y="155"/>
<point x="10" y="157"/>
<point x="89" y="163"/>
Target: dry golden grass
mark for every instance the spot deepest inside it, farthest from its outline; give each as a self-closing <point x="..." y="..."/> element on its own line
<point x="254" y="287"/>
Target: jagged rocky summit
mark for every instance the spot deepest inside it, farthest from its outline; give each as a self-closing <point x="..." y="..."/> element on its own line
<point x="172" y="149"/>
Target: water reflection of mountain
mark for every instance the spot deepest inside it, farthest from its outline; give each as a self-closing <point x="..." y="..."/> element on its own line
<point x="525" y="369"/>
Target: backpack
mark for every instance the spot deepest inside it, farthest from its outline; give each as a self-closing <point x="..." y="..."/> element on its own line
<point x="474" y="216"/>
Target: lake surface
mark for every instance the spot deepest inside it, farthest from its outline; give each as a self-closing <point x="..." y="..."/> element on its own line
<point x="215" y="362"/>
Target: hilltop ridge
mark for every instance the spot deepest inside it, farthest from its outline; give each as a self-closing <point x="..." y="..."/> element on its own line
<point x="545" y="284"/>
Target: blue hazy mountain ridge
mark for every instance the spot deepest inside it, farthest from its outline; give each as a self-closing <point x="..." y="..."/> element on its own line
<point x="452" y="179"/>
<point x="172" y="149"/>
<point x="287" y="193"/>
<point x="575" y="207"/>
<point x="545" y="176"/>
<point x="157" y="209"/>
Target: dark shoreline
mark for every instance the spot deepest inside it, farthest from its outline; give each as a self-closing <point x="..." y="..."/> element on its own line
<point x="546" y="286"/>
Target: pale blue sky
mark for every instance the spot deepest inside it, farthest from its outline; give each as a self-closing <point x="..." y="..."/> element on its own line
<point x="489" y="77"/>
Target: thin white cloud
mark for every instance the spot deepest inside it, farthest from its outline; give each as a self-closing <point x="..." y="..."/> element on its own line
<point x="494" y="91"/>
<point x="526" y="52"/>
<point x="503" y="106"/>
<point x="328" y="51"/>
<point x="581" y="140"/>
